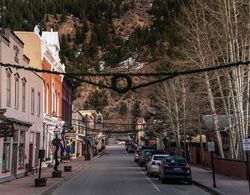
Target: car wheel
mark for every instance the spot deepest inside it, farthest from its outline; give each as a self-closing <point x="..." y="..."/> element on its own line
<point x="190" y="182"/>
<point x="150" y="174"/>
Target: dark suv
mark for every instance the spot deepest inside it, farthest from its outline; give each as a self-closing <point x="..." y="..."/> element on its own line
<point x="175" y="168"/>
<point x="145" y="156"/>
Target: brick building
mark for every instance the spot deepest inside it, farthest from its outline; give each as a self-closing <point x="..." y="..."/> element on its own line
<point x="44" y="50"/>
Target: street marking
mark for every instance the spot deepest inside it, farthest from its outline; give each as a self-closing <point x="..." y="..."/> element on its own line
<point x="155" y="186"/>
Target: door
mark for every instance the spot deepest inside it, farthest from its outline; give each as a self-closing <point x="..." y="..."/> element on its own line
<point x="31" y="154"/>
<point x="14" y="161"/>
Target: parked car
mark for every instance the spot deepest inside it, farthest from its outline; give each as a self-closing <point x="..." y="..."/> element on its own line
<point x="130" y="148"/>
<point x="138" y="152"/>
<point x="144" y="156"/>
<point x="121" y="142"/>
<point x="175" y="168"/>
<point x="154" y="163"/>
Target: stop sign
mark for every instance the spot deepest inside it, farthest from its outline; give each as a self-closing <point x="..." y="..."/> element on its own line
<point x="152" y="142"/>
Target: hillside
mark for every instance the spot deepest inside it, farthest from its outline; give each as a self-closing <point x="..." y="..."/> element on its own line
<point x="104" y="35"/>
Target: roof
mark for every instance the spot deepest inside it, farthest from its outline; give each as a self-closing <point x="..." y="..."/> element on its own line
<point x="208" y="121"/>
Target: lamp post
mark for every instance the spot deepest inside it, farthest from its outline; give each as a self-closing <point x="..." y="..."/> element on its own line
<point x="165" y="139"/>
<point x="87" y="155"/>
<point x="56" y="143"/>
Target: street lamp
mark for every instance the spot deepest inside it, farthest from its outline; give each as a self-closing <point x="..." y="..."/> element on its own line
<point x="56" y="132"/>
<point x="165" y="139"/>
<point x="85" y="120"/>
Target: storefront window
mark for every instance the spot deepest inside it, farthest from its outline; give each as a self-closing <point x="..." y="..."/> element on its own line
<point x="15" y="136"/>
<point x="6" y="156"/>
<point x="21" y="150"/>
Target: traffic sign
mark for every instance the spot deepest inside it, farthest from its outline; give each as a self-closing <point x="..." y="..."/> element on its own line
<point x="246" y="144"/>
<point x="152" y="142"/>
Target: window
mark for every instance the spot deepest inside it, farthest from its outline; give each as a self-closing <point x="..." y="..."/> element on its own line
<point x="39" y="104"/>
<point x="23" y="94"/>
<point x="16" y="91"/>
<point x="8" y="89"/>
<point x="21" y="150"/>
<point x="47" y="99"/>
<point x="6" y="156"/>
<point x="16" y="49"/>
<point x="32" y="101"/>
<point x="57" y="103"/>
<point x="53" y="98"/>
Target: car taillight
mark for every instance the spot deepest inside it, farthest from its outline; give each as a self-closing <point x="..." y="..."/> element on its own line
<point x="165" y="166"/>
<point x="153" y="163"/>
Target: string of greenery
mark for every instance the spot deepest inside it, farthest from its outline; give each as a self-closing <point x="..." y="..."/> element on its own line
<point x="165" y="75"/>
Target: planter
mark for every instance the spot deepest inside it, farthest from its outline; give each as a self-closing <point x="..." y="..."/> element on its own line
<point x="67" y="168"/>
<point x="39" y="182"/>
<point x="56" y="174"/>
<point x="87" y="156"/>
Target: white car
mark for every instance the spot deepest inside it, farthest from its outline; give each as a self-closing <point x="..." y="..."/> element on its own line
<point x="154" y="163"/>
<point x="121" y="142"/>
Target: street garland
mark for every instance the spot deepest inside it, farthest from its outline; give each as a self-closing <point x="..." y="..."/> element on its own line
<point x="114" y="83"/>
<point x="115" y="77"/>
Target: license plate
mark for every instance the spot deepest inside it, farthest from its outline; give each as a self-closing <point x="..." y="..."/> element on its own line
<point x="177" y="169"/>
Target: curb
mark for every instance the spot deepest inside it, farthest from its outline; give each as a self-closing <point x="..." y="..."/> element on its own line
<point x="208" y="189"/>
<point x="60" y="182"/>
<point x="51" y="188"/>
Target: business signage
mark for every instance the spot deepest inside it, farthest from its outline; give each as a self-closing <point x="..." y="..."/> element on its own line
<point x="210" y="146"/>
<point x="6" y="129"/>
<point x="246" y="144"/>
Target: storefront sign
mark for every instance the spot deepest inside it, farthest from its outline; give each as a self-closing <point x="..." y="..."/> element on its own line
<point x="246" y="144"/>
<point x="70" y="134"/>
<point x="210" y="146"/>
<point x="6" y="129"/>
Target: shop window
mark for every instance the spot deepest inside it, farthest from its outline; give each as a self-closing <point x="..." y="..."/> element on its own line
<point x="6" y="156"/>
<point x="15" y="136"/>
<point x="21" y="150"/>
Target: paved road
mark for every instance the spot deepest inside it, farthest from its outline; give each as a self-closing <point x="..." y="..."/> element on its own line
<point x="115" y="173"/>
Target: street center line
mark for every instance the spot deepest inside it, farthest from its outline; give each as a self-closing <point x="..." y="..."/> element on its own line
<point x="155" y="186"/>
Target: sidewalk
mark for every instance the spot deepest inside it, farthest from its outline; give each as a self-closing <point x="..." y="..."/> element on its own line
<point x="26" y="185"/>
<point x="224" y="184"/>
